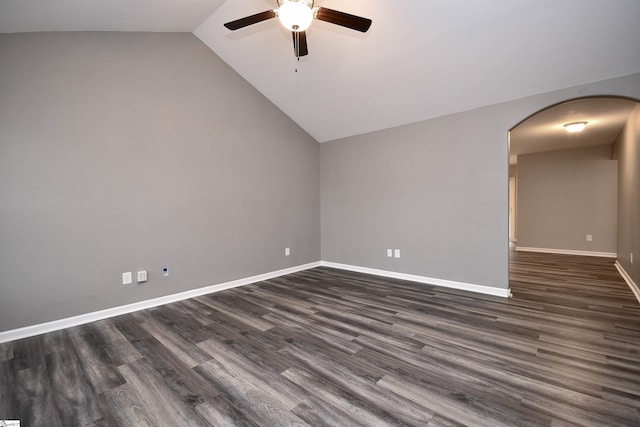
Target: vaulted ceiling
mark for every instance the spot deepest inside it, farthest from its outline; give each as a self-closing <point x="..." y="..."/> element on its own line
<point x="421" y="58"/>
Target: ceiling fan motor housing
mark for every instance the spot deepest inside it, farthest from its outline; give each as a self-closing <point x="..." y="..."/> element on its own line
<point x="308" y="3"/>
<point x="295" y="15"/>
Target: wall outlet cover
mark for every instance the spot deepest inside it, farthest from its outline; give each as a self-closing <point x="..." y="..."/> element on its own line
<point x="396" y="253"/>
<point x="127" y="278"/>
<point x="389" y="253"/>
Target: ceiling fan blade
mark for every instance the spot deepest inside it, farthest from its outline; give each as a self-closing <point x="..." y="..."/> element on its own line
<point x="300" y="43"/>
<point x="250" y="20"/>
<point x="354" y="22"/>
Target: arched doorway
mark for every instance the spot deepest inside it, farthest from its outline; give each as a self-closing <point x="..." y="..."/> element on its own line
<point x="577" y="192"/>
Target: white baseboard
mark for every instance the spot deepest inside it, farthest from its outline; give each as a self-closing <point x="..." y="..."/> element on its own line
<point x="567" y="252"/>
<point x="33" y="330"/>
<point x="634" y="287"/>
<point x="422" y="279"/>
<point x="29" y="331"/>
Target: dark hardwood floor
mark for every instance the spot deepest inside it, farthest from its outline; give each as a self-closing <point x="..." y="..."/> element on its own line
<point x="330" y="347"/>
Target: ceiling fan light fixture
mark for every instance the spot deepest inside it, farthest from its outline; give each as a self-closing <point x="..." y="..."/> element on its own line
<point x="295" y="15"/>
<point x="575" y="126"/>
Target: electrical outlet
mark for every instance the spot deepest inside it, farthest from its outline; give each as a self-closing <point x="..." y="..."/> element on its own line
<point x="396" y="253"/>
<point x="390" y="253"/>
<point x="287" y="251"/>
<point x="127" y="278"/>
<point x="589" y="238"/>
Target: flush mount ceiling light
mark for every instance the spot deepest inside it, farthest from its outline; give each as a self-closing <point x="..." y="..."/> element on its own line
<point x="575" y="126"/>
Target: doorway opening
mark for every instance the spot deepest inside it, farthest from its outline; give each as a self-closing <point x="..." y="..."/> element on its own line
<point x="570" y="191"/>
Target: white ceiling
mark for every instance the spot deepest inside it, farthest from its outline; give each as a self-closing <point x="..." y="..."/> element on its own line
<point x="104" y="15"/>
<point x="426" y="58"/>
<point x="545" y="130"/>
<point x="420" y="59"/>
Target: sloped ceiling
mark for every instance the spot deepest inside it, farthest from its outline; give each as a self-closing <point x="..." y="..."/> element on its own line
<point x="420" y="59"/>
<point x="426" y="58"/>
<point x="104" y="15"/>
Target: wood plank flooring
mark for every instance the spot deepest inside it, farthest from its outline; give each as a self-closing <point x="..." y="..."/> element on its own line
<point x="330" y="347"/>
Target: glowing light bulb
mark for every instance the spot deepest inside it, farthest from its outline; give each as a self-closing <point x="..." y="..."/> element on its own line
<point x="295" y="15"/>
<point x="575" y="126"/>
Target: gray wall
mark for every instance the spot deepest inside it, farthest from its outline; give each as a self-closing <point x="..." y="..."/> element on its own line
<point x="565" y="195"/>
<point x="628" y="150"/>
<point x="437" y="190"/>
<point x="121" y="152"/>
<point x="127" y="151"/>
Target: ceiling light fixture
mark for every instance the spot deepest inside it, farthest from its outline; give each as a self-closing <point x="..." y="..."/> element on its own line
<point x="575" y="126"/>
<point x="295" y="15"/>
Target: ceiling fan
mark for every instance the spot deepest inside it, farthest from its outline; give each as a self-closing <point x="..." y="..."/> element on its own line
<point x="297" y="15"/>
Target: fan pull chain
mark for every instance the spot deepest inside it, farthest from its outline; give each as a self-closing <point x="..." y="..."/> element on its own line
<point x="297" y="47"/>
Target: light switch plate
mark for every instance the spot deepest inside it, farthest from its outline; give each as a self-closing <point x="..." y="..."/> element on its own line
<point x="142" y="276"/>
<point x="127" y="278"/>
